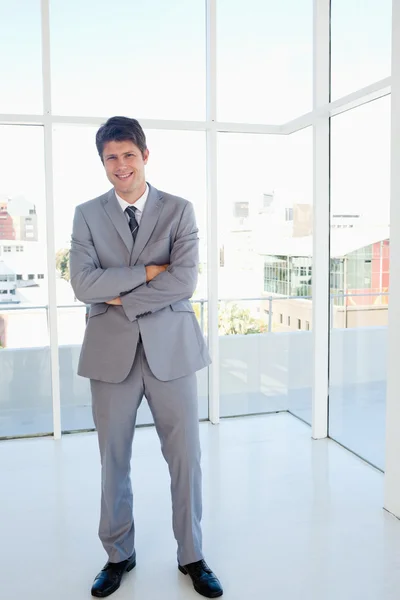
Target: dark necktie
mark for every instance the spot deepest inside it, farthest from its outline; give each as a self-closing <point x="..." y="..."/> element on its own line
<point x="133" y="224"/>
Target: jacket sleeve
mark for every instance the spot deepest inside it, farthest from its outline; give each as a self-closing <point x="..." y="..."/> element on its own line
<point x="90" y="282"/>
<point x="178" y="282"/>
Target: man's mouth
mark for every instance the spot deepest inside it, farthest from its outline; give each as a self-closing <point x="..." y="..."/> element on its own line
<point x="123" y="177"/>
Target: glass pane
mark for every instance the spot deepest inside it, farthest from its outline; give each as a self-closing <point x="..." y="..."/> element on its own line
<point x="264" y="60"/>
<point x="360" y="239"/>
<point x="25" y="390"/>
<point x="360" y="44"/>
<point x="20" y="57"/>
<point x="75" y="145"/>
<point x="145" y="60"/>
<point x="265" y="244"/>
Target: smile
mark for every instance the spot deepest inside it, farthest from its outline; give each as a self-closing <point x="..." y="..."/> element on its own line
<point x="124" y="176"/>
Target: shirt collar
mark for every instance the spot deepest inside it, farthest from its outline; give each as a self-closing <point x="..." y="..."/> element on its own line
<point x="139" y="204"/>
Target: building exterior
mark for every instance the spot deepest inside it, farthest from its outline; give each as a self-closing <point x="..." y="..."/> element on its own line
<point x="18" y="219"/>
<point x="359" y="280"/>
<point x="24" y="217"/>
<point x="7" y="231"/>
<point x="8" y="284"/>
<point x="22" y="257"/>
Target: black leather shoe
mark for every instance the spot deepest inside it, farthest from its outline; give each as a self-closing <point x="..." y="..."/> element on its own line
<point x="109" y="578"/>
<point x="204" y="580"/>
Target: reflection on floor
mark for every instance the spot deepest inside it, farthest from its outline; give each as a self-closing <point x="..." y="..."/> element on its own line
<point x="285" y="518"/>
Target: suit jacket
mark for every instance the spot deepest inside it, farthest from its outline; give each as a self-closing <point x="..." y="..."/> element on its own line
<point x="104" y="264"/>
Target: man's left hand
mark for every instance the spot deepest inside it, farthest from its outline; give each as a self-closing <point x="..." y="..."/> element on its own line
<point x="115" y="302"/>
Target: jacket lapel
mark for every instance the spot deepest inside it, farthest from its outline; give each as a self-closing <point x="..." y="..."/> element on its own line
<point x="120" y="222"/>
<point x="151" y="212"/>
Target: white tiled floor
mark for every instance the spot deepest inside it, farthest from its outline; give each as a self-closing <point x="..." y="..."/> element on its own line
<point x="285" y="517"/>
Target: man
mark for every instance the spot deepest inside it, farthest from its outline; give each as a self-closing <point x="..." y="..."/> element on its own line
<point x="134" y="259"/>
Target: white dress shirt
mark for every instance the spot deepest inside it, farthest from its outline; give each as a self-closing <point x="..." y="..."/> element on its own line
<point x="139" y="205"/>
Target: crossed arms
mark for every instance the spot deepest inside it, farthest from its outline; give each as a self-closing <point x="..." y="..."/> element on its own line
<point x="143" y="288"/>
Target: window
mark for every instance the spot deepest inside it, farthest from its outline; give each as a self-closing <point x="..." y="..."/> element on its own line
<point x="241" y="210"/>
<point x="40" y="276"/>
<point x="289" y="214"/>
<point x="267" y="77"/>
<point x="298" y="323"/>
<point x="170" y="56"/>
<point x="360" y="184"/>
<point x="267" y="202"/>
<point x="361" y="44"/>
<point x="277" y="275"/>
<point x="29" y="388"/>
<point x="288" y="321"/>
<point x="21" y="64"/>
<point x="255" y="266"/>
<point x="307" y="325"/>
<point x="31" y="276"/>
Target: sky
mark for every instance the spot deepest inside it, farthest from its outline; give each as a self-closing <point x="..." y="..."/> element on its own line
<point x="147" y="59"/>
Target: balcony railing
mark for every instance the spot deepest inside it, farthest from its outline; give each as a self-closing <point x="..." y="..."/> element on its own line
<point x="263" y="318"/>
<point x="257" y="374"/>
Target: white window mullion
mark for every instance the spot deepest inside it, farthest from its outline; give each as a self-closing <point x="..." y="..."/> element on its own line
<point x="50" y="224"/>
<point x="212" y="212"/>
<point x="321" y="222"/>
<point x="392" y="467"/>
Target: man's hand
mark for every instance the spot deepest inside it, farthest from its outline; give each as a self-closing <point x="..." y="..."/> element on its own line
<point x="115" y="302"/>
<point x="154" y="270"/>
<point x="151" y="272"/>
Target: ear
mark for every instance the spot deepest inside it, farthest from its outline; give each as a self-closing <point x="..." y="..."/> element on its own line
<point x="146" y="154"/>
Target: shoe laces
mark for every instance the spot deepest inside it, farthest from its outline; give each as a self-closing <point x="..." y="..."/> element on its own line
<point x="201" y="566"/>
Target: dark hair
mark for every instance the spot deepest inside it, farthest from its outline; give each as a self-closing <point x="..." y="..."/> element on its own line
<point x="120" y="129"/>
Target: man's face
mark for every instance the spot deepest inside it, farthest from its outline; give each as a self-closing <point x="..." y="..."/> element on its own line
<point x="124" y="165"/>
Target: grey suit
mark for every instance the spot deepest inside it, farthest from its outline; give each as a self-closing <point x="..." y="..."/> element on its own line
<point x="150" y="345"/>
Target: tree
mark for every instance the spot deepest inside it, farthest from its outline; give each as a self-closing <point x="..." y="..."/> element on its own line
<point x="233" y="320"/>
<point x="62" y="263"/>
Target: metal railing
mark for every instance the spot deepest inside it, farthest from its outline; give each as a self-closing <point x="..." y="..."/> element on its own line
<point x="203" y="302"/>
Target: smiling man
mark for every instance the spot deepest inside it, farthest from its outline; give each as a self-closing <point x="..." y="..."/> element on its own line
<point x="134" y="259"/>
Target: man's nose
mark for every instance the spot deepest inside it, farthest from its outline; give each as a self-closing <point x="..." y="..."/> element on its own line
<point x="121" y="162"/>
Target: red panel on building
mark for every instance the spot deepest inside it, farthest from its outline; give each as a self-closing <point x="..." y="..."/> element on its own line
<point x="7" y="231"/>
<point x="378" y="292"/>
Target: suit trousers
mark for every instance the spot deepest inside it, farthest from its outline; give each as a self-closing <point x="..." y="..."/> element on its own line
<point x="174" y="407"/>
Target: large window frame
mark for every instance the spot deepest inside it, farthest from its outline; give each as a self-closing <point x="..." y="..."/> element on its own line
<point x="318" y="119"/>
